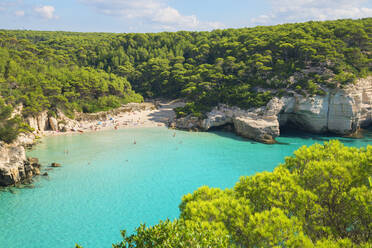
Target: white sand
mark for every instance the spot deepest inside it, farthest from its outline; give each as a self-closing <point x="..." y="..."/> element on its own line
<point x="159" y="117"/>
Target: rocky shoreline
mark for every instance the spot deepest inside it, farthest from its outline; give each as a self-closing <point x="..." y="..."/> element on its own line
<point x="339" y="111"/>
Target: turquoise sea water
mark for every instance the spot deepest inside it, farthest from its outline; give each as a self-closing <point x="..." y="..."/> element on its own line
<point x="107" y="183"/>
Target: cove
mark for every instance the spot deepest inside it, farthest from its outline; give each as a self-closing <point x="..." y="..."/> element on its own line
<point x="107" y="183"/>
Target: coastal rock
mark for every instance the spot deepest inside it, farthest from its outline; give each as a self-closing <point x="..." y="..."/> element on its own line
<point x="61" y="122"/>
<point x="34" y="162"/>
<point x="351" y="107"/>
<point x="55" y="165"/>
<point x="307" y="113"/>
<point x="53" y="123"/>
<point x="24" y="139"/>
<point x="42" y="121"/>
<point x="12" y="166"/>
<point x="340" y="111"/>
<point x="217" y="118"/>
<point x="187" y="123"/>
<point x="32" y="122"/>
<point x="262" y="129"/>
<point x="66" y="124"/>
<point x="39" y="122"/>
<point x="35" y="171"/>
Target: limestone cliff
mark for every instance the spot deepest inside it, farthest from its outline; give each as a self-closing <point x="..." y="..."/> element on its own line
<point x="14" y="167"/>
<point x="42" y="122"/>
<point x="339" y="111"/>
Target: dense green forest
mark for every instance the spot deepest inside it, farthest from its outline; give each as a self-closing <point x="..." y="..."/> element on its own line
<point x="245" y="67"/>
<point x="320" y="197"/>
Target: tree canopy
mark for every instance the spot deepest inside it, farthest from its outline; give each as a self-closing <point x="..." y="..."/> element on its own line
<point x="242" y="67"/>
<point x="320" y="197"/>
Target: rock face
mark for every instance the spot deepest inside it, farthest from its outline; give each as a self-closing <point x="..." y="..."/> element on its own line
<point x="340" y="111"/>
<point x="53" y="123"/>
<point x="14" y="167"/>
<point x="55" y="164"/>
<point x="43" y="122"/>
<point x="264" y="129"/>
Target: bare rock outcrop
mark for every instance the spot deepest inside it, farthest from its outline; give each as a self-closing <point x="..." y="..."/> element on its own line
<point x="309" y="113"/>
<point x="253" y="124"/>
<point x="351" y="107"/>
<point x="340" y="111"/>
<point x="14" y="167"/>
<point x="187" y="123"/>
<point x="42" y="122"/>
<point x="53" y="123"/>
<point x="264" y="129"/>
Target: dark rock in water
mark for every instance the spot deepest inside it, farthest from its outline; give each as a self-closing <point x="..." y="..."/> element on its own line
<point x="55" y="165"/>
<point x="35" y="171"/>
<point x="45" y="174"/>
<point x="33" y="160"/>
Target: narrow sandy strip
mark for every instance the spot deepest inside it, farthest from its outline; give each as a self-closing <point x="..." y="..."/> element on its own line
<point x="148" y="116"/>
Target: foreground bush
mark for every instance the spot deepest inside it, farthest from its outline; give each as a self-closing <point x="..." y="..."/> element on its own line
<point x="320" y="197"/>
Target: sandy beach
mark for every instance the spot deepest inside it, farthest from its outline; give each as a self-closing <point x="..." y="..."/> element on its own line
<point x="131" y="116"/>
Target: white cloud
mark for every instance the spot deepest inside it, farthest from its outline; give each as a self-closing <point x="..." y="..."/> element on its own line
<point x="19" y="13"/>
<point x="155" y="13"/>
<point x="6" y="4"/>
<point x="46" y="11"/>
<point x="304" y="10"/>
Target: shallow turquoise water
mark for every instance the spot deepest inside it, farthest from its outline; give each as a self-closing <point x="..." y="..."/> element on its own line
<point x="108" y="184"/>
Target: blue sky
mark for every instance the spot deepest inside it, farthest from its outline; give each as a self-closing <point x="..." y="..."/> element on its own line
<point x="170" y="15"/>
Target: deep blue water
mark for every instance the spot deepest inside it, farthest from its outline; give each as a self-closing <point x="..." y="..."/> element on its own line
<point x="107" y="183"/>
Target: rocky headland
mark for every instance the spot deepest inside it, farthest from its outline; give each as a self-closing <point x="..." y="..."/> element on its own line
<point x="341" y="111"/>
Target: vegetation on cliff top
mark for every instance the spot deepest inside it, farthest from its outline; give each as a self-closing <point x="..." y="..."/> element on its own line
<point x="320" y="197"/>
<point x="242" y="67"/>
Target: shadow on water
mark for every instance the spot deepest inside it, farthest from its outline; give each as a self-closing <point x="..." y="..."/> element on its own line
<point x="227" y="131"/>
<point x="231" y="135"/>
<point x="366" y="134"/>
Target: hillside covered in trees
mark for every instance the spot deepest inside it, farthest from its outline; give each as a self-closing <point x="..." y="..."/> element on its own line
<point x="245" y="67"/>
<point x="320" y="197"/>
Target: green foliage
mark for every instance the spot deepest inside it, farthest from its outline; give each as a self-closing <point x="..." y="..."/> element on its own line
<point x="176" y="234"/>
<point x="49" y="81"/>
<point x="320" y="197"/>
<point x="10" y="126"/>
<point x="232" y="66"/>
